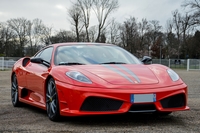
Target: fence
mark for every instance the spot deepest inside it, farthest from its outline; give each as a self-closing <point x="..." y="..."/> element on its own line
<point x="7" y="62"/>
<point x="172" y="63"/>
<point x="1" y="63"/>
<point x="189" y="64"/>
<point x="193" y="64"/>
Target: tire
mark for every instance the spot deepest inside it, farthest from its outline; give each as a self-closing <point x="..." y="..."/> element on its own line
<point x="52" y="104"/>
<point x="15" y="92"/>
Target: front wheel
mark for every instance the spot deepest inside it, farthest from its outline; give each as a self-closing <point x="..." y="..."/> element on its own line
<point x="52" y="104"/>
<point x="14" y="91"/>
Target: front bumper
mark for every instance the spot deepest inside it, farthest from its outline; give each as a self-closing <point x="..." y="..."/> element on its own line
<point x="76" y="100"/>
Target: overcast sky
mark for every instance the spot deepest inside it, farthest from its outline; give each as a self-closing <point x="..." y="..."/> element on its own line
<point x="54" y="12"/>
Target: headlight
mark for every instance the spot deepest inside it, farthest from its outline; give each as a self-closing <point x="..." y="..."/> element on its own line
<point x="174" y="76"/>
<point x="78" y="77"/>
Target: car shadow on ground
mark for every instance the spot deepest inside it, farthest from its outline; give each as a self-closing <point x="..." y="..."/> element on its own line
<point x="128" y="119"/>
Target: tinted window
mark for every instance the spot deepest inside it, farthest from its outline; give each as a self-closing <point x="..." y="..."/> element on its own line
<point x="46" y="54"/>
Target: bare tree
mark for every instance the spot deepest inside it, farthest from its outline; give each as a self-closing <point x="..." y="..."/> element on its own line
<point x="155" y="30"/>
<point x="20" y="28"/>
<point x="170" y="39"/>
<point x="169" y="26"/>
<point x="29" y="34"/>
<point x="76" y="19"/>
<point x="85" y="7"/>
<point x="6" y="36"/>
<point x="129" y="35"/>
<point x="63" y="36"/>
<point x="186" y="24"/>
<point x="143" y="29"/>
<point x="46" y="34"/>
<point x="181" y="25"/>
<point x="34" y="34"/>
<point x="114" y="32"/>
<point x="177" y="22"/>
<point x="153" y="37"/>
<point x="93" y="33"/>
<point x="194" y="5"/>
<point x="102" y="9"/>
<point x="157" y="50"/>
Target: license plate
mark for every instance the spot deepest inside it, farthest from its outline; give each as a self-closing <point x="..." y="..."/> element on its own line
<point x="143" y="98"/>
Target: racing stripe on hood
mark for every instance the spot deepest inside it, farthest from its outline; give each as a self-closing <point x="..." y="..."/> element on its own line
<point x="120" y="73"/>
<point x="129" y="72"/>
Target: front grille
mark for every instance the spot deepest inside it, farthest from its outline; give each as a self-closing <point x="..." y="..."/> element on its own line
<point x="100" y="104"/>
<point x="142" y="108"/>
<point x="175" y="101"/>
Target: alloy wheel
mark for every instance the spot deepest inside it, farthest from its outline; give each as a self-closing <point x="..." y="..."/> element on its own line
<point x="52" y="101"/>
<point x="14" y="91"/>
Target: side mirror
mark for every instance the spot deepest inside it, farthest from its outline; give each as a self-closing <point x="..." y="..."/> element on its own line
<point x="40" y="61"/>
<point x="146" y="59"/>
<point x="37" y="60"/>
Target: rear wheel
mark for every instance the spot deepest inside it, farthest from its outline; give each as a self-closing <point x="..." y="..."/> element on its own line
<point x="14" y="92"/>
<point x="52" y="104"/>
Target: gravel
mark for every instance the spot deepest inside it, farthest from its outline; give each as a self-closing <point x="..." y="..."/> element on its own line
<point x="31" y="119"/>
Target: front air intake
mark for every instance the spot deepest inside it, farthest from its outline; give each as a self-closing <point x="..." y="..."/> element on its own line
<point x="100" y="104"/>
<point x="175" y="101"/>
<point x="142" y="108"/>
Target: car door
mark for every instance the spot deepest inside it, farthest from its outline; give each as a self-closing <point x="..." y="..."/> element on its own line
<point x="37" y="74"/>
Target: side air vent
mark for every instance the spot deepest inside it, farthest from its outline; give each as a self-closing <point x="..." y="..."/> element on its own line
<point x="24" y="92"/>
<point x="25" y="61"/>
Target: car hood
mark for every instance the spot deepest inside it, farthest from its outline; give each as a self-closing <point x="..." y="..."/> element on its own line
<point x="121" y="74"/>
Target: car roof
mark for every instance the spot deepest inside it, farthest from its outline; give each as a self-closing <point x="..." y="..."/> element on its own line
<point x="78" y="43"/>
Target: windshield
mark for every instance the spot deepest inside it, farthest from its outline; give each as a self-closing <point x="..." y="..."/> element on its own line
<point x="93" y="54"/>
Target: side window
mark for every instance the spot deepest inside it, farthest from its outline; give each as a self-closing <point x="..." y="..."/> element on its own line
<point x="38" y="54"/>
<point x="46" y="54"/>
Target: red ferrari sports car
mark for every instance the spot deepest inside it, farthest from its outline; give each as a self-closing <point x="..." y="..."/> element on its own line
<point x="73" y="79"/>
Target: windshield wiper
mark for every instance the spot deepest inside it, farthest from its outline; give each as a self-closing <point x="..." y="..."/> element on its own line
<point x="113" y="63"/>
<point x="70" y="63"/>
